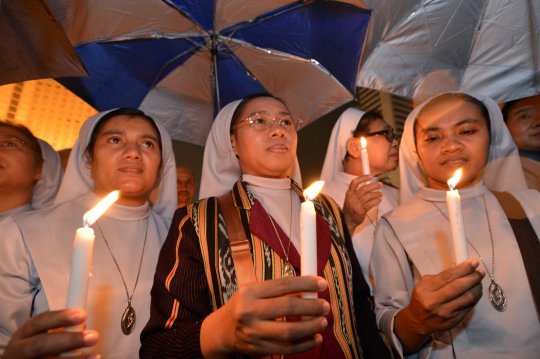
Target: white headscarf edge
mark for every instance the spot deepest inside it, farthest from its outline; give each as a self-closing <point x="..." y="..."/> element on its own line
<point x="337" y="145"/>
<point x="47" y="187"/>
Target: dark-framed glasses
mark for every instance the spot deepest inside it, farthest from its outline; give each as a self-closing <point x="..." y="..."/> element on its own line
<point x="261" y="122"/>
<point x="389" y="134"/>
<point x="8" y="143"/>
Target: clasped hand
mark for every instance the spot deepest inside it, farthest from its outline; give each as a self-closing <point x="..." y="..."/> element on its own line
<point x="247" y="323"/>
<point x="42" y="336"/>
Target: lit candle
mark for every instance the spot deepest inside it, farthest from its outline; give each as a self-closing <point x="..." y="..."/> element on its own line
<point x="455" y="215"/>
<point x="81" y="259"/>
<point x="364" y="157"/>
<point x="308" y="234"/>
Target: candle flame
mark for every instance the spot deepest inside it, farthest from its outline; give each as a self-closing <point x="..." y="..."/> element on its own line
<point x="312" y="191"/>
<point x="452" y="182"/>
<point x="92" y="215"/>
<point x="363" y="143"/>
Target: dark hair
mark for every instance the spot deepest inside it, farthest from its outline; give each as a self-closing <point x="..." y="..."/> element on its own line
<point x="364" y="124"/>
<point x="29" y="137"/>
<point x="506" y="109"/>
<point x="131" y="112"/>
<point x="246" y="100"/>
<point x="455" y="96"/>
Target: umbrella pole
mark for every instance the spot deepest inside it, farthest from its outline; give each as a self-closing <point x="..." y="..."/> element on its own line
<point x="216" y="82"/>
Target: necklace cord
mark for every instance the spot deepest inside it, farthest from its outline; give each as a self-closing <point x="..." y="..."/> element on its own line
<point x="492" y="273"/>
<point x="118" y="267"/>
<point x="290" y="233"/>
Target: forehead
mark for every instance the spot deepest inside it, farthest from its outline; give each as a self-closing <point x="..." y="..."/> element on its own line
<point x="183" y="173"/>
<point x="264" y="104"/>
<point x="130" y="125"/>
<point x="13" y="132"/>
<point x="449" y="112"/>
<point x="526" y="102"/>
<point x="378" y="125"/>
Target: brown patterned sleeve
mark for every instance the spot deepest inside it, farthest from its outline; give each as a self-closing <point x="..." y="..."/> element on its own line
<point x="180" y="296"/>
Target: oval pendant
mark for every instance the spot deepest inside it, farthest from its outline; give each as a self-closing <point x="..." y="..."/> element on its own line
<point x="497" y="297"/>
<point x="128" y="320"/>
<point x="288" y="270"/>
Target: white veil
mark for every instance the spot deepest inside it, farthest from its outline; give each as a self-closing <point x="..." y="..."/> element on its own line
<point x="220" y="166"/>
<point x="77" y="179"/>
<point x="503" y="171"/>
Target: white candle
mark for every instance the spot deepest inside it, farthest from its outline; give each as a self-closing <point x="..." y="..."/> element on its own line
<point x="308" y="234"/>
<point x="81" y="259"/>
<point x="455" y="215"/>
<point x="364" y="157"/>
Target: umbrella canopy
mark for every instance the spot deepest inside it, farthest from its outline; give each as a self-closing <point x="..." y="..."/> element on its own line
<point x="424" y="47"/>
<point x="33" y="44"/>
<point x="181" y="61"/>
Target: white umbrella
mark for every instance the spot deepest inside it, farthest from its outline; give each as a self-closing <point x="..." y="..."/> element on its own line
<point x="417" y="48"/>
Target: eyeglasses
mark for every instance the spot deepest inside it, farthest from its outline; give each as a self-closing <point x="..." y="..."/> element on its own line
<point x="8" y="143"/>
<point x="389" y="134"/>
<point x="261" y="122"/>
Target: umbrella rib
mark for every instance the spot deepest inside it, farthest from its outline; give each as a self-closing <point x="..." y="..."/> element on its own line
<point x="185" y="14"/>
<point x="248" y="72"/>
<point x="188" y="37"/>
<point x="273" y="52"/>
<point x="167" y="64"/>
<point x="260" y="19"/>
<point x="478" y="27"/>
<point x="534" y="40"/>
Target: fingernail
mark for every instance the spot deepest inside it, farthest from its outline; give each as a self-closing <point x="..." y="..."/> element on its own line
<point x="475" y="263"/>
<point x="93" y="356"/>
<point x="326" y="308"/>
<point x="78" y="316"/>
<point x="322" y="284"/>
<point x="318" y="339"/>
<point x="324" y="323"/>
<point x="91" y="337"/>
<point x="481" y="271"/>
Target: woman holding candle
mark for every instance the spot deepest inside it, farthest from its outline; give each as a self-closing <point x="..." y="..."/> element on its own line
<point x="198" y="308"/>
<point x="117" y="150"/>
<point x="347" y="182"/>
<point x="426" y="303"/>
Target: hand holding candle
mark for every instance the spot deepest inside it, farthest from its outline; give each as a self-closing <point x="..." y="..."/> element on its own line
<point x="455" y="215"/>
<point x="81" y="260"/>
<point x="364" y="157"/>
<point x="308" y="234"/>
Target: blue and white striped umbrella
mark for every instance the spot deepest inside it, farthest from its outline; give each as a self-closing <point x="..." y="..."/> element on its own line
<point x="181" y="61"/>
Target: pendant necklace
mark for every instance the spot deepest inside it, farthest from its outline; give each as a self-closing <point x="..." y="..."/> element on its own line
<point x="288" y="270"/>
<point x="129" y="318"/>
<point x="496" y="295"/>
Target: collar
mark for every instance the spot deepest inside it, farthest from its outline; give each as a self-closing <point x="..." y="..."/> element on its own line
<point x="116" y="211"/>
<point x="437" y="195"/>
<point x="243" y="198"/>
<point x="14" y="211"/>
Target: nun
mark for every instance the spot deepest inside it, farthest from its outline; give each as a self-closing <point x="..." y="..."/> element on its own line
<point x="211" y="300"/>
<point x="350" y="187"/>
<point x="123" y="150"/>
<point x="30" y="172"/>
<point x="427" y="303"/>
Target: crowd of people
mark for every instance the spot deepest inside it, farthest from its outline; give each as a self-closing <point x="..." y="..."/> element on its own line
<point x="221" y="277"/>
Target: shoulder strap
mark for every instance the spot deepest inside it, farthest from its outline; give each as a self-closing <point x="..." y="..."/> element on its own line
<point x="527" y="240"/>
<point x="240" y="247"/>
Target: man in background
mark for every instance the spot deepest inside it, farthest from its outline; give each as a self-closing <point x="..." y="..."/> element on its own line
<point x="185" y="184"/>
<point x="523" y="120"/>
